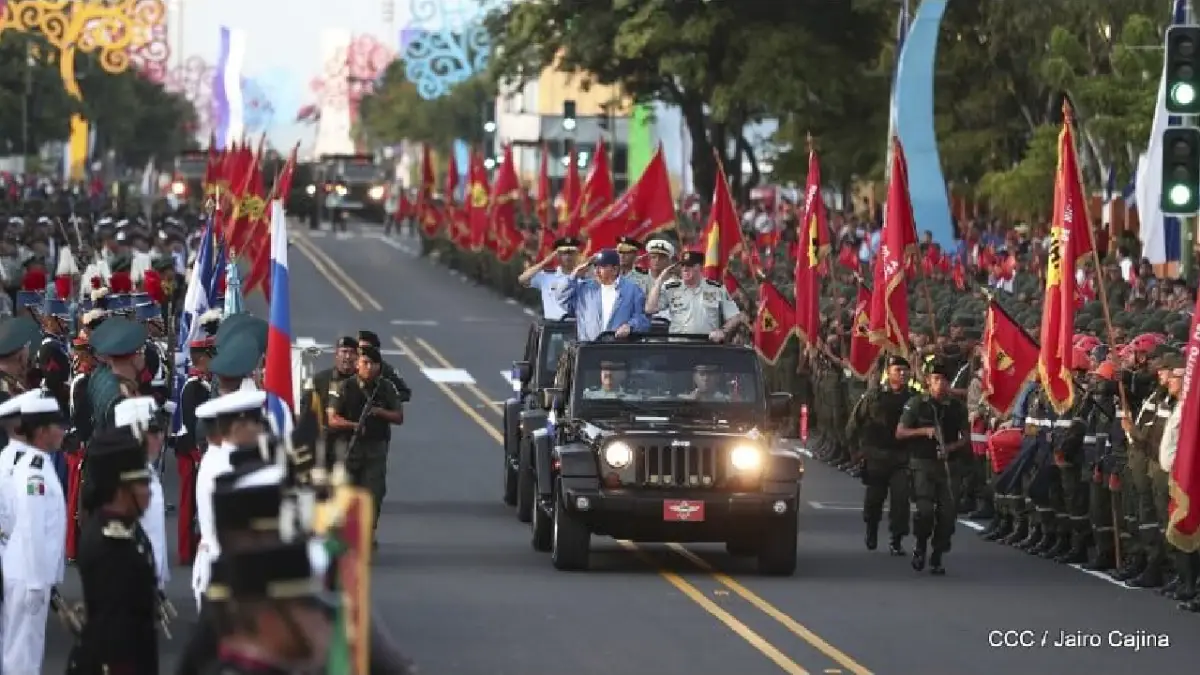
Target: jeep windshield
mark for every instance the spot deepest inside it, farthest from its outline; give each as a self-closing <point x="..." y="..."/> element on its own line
<point x="554" y="342"/>
<point x="650" y="379"/>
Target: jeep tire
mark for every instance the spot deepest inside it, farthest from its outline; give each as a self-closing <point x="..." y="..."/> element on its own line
<point x="777" y="547"/>
<point x="526" y="481"/>
<point x="570" y="540"/>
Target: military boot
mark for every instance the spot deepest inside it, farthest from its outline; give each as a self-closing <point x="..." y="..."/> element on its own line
<point x="1190" y="606"/>
<point x="1033" y="540"/>
<point x="1187" y="564"/>
<point x="1077" y="553"/>
<point x="992" y="528"/>
<point x="1170" y="587"/>
<point x="872" y="539"/>
<point x="1151" y="576"/>
<point x="895" y="547"/>
<point x="935" y="564"/>
<point x="984" y="510"/>
<point x="1004" y="528"/>
<point x="918" y="558"/>
<point x="1019" y="531"/>
<point x="1062" y="544"/>
<point x="1103" y="560"/>
<point x="1130" y="567"/>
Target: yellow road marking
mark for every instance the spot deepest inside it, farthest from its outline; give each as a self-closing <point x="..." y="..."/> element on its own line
<point x="473" y="388"/>
<point x="695" y="594"/>
<point x="315" y="251"/>
<point x="770" y="610"/>
<point x="450" y="394"/>
<point x="307" y="252"/>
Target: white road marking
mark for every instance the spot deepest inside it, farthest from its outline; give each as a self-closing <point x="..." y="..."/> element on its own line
<point x="510" y="301"/>
<point x="512" y="381"/>
<point x="448" y="375"/>
<point x="530" y="312"/>
<point x="414" y="322"/>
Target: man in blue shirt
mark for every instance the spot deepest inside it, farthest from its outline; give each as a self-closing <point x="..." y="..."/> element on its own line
<point x="566" y="254"/>
<point x="607" y="302"/>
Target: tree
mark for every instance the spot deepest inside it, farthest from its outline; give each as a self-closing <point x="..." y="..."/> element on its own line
<point x="34" y="108"/>
<point x="723" y="64"/>
<point x="395" y="111"/>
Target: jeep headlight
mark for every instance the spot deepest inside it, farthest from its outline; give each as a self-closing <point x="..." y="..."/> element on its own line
<point x="376" y="193"/>
<point x="618" y="455"/>
<point x="746" y="458"/>
<point x="311" y="189"/>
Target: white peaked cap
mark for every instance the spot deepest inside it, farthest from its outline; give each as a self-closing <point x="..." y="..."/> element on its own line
<point x="13" y="405"/>
<point x="39" y="405"/>
<point x="264" y="477"/>
<point x="135" y="411"/>
<point x="229" y="404"/>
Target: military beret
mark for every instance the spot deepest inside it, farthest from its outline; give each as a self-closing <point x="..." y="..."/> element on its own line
<point x="1169" y="361"/>
<point x="939" y="366"/>
<point x="897" y="360"/>
<point x="347" y="342"/>
<point x="238" y="356"/>
<point x="370" y="353"/>
<point x="17" y="332"/>
<point x="118" y="336"/>
<point x="369" y="337"/>
<point x="691" y="258"/>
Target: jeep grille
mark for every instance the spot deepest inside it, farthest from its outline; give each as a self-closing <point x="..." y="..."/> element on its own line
<point x="695" y="465"/>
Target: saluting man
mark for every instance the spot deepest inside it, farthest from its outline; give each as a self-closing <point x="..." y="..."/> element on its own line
<point x="550" y="283"/>
<point x="34" y="559"/>
<point x="629" y="248"/>
<point x="694" y="305"/>
<point x="144" y="418"/>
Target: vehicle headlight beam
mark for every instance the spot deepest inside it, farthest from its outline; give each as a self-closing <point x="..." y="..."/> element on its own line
<point x="746" y="458"/>
<point x="618" y="455"/>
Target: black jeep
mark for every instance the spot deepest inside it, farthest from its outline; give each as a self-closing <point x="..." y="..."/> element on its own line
<point x="523" y="412"/>
<point x="664" y="438"/>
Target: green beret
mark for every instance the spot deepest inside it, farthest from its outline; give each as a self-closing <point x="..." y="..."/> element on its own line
<point x="237" y="357"/>
<point x="17" y="332"/>
<point x="118" y="336"/>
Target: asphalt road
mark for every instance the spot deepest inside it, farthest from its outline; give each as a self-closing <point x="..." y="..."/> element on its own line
<point x="463" y="592"/>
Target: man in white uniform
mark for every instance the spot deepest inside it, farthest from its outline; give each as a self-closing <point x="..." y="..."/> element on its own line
<point x="14" y="449"/>
<point x="35" y="556"/>
<point x="239" y="420"/>
<point x="143" y="415"/>
<point x="565" y="256"/>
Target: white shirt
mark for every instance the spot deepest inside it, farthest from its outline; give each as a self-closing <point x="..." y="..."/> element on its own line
<point x="214" y="463"/>
<point x="550" y="283"/>
<point x="8" y="460"/>
<point x="1126" y="270"/>
<point x="154" y="522"/>
<point x="1169" y="444"/>
<point x="36" y="554"/>
<point x="608" y="302"/>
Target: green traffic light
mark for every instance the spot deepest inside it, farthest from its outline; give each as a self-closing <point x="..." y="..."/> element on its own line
<point x="1180" y="195"/>
<point x="1183" y="94"/>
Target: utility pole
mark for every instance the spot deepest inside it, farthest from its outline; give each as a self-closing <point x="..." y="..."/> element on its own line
<point x="1188" y="224"/>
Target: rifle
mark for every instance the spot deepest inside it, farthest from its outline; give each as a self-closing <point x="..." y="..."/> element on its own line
<point x="362" y="420"/>
<point x="69" y="616"/>
<point x="166" y="613"/>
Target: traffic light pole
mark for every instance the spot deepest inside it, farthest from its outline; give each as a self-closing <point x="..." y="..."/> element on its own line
<point x="1188" y="224"/>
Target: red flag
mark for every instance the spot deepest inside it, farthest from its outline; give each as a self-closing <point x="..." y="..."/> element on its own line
<point x="863" y="352"/>
<point x="1183" y="528"/>
<point x="1070" y="241"/>
<point x="774" y="323"/>
<point x="813" y="239"/>
<point x="1010" y="359"/>
<point x="426" y="210"/>
<point x="898" y="241"/>
<point x="568" y="198"/>
<point x="542" y="198"/>
<point x="598" y="192"/>
<point x="644" y="209"/>
<point x="722" y="236"/>
<point x="477" y="202"/>
<point x="507" y="238"/>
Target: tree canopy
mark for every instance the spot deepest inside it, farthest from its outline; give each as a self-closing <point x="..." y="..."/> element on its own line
<point x="395" y="111"/>
<point x="135" y="118"/>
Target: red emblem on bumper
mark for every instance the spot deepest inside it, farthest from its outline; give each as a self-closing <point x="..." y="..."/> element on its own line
<point x="683" y="510"/>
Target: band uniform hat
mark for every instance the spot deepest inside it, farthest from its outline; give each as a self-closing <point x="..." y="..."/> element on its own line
<point x="607" y="258"/>
<point x="691" y="258"/>
<point x="237" y="356"/>
<point x="628" y="245"/>
<point x="253" y="326"/>
<point x="231" y="324"/>
<point x="241" y="403"/>
<point x="897" y="360"/>
<point x="121" y="263"/>
<point x="118" y="336"/>
<point x="567" y="244"/>
<point x="41" y="410"/>
<point x="275" y="572"/>
<point x="116" y="456"/>
<point x="254" y="508"/>
<point x="371" y="354"/>
<point x="347" y="342"/>
<point x="16" y="333"/>
<point x="661" y="246"/>
<point x="10" y="408"/>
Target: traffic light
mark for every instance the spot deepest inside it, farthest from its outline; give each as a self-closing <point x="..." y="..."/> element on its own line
<point x="569" y="122"/>
<point x="1183" y="70"/>
<point x="1181" y="171"/>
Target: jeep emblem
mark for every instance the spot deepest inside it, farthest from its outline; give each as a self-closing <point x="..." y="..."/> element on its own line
<point x="681" y="444"/>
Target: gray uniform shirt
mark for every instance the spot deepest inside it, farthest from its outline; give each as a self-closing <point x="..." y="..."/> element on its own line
<point x="699" y="309"/>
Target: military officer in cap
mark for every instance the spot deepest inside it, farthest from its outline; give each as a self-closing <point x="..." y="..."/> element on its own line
<point x="16" y="334"/>
<point x="14" y="449"/>
<point x="706" y="378"/>
<point x="629" y="249"/>
<point x="362" y="413"/>
<point x="117" y="562"/>
<point x="872" y="427"/>
<point x="316" y="391"/>
<point x="196" y="390"/>
<point x="694" y="305"/>
<point x="52" y="360"/>
<point x="241" y="343"/>
<point x="367" y="338"/>
<point x="935" y="426"/>
<point x="550" y="283"/>
<point x="274" y="624"/>
<point x="238" y="418"/>
<point x="662" y="256"/>
<point x="119" y="345"/>
<point x="147" y="421"/>
<point x="34" y="558"/>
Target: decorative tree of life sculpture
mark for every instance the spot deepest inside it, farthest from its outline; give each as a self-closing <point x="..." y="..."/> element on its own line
<point x="351" y="73"/>
<point x="193" y="79"/>
<point x="153" y="53"/>
<point x="446" y="43"/>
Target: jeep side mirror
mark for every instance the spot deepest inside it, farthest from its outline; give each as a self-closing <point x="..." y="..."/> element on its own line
<point x="523" y="371"/>
<point x="779" y="404"/>
<point x="552" y="398"/>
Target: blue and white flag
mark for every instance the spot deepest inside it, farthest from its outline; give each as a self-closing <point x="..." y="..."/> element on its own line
<point x="228" y="98"/>
<point x="202" y="291"/>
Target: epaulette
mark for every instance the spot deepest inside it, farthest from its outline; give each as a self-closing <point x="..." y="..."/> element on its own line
<point x="641" y="270"/>
<point x="37" y="462"/>
<point x="115" y="529"/>
<point x="673" y="283"/>
<point x="17" y="456"/>
<point x="712" y="282"/>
